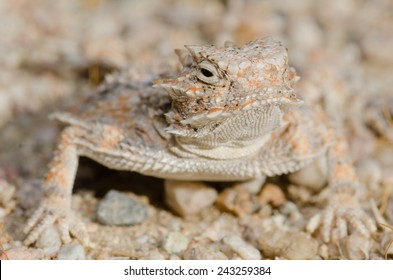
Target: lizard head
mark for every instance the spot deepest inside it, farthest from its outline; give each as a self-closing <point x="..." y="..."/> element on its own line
<point x="219" y="83"/>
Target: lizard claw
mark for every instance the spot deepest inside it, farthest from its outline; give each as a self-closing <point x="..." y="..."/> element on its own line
<point x="49" y="214"/>
<point x="337" y="218"/>
<point x="379" y="116"/>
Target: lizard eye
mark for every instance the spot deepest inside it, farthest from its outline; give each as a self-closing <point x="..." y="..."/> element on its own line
<point x="208" y="73"/>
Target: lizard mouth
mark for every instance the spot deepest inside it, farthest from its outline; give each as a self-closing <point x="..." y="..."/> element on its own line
<point x="196" y="106"/>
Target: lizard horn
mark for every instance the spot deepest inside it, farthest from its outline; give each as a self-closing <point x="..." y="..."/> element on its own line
<point x="195" y="51"/>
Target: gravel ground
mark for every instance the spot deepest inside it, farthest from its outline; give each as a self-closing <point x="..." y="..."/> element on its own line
<point x="53" y="53"/>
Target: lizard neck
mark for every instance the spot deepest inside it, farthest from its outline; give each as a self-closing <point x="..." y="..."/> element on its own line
<point x="238" y="137"/>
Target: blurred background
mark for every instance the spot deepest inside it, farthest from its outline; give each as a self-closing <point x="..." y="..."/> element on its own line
<point x="50" y="48"/>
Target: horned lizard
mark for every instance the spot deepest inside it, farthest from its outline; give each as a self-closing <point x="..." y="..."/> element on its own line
<point x="231" y="114"/>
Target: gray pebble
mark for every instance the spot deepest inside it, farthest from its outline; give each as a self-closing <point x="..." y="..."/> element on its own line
<point x="72" y="251"/>
<point x="118" y="209"/>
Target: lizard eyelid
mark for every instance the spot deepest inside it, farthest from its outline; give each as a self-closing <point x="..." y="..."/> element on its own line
<point x="208" y="73"/>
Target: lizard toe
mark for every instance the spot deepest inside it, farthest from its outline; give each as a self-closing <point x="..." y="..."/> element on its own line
<point x="65" y="222"/>
<point x="341" y="221"/>
<point x="42" y="222"/>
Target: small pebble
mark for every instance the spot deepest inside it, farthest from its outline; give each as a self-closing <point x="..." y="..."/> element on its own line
<point x="300" y="194"/>
<point x="289" y="208"/>
<point x="242" y="248"/>
<point x="155" y="255"/>
<point x="265" y="211"/>
<point x="203" y="252"/>
<point x="118" y="209"/>
<point x="252" y="186"/>
<point x="235" y="200"/>
<point x="323" y="252"/>
<point x="49" y="241"/>
<point x="23" y="253"/>
<point x="270" y="241"/>
<point x="356" y="247"/>
<point x="175" y="243"/>
<point x="3" y="213"/>
<point x="273" y="194"/>
<point x="287" y="244"/>
<point x="187" y="198"/>
<point x="313" y="176"/>
<point x="221" y="226"/>
<point x="72" y="251"/>
<point x="300" y="247"/>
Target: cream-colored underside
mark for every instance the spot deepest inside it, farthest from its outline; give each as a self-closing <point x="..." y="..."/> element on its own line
<point x="240" y="136"/>
<point x="237" y="149"/>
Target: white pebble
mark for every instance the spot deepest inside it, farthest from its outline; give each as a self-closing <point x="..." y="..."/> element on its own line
<point x="72" y="251"/>
<point x="187" y="198"/>
<point x="313" y="176"/>
<point x="49" y="241"/>
<point x="242" y="248"/>
<point x="175" y="243"/>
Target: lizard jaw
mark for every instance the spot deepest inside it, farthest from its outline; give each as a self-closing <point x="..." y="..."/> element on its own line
<point x="284" y="98"/>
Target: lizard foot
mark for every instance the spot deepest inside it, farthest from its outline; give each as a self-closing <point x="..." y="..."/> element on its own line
<point x="342" y="212"/>
<point x="53" y="213"/>
<point x="379" y="116"/>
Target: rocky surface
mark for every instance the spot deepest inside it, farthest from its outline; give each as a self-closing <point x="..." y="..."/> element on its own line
<point x="53" y="53"/>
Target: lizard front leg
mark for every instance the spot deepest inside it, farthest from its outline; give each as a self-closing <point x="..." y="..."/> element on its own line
<point x="55" y="206"/>
<point x="344" y="207"/>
